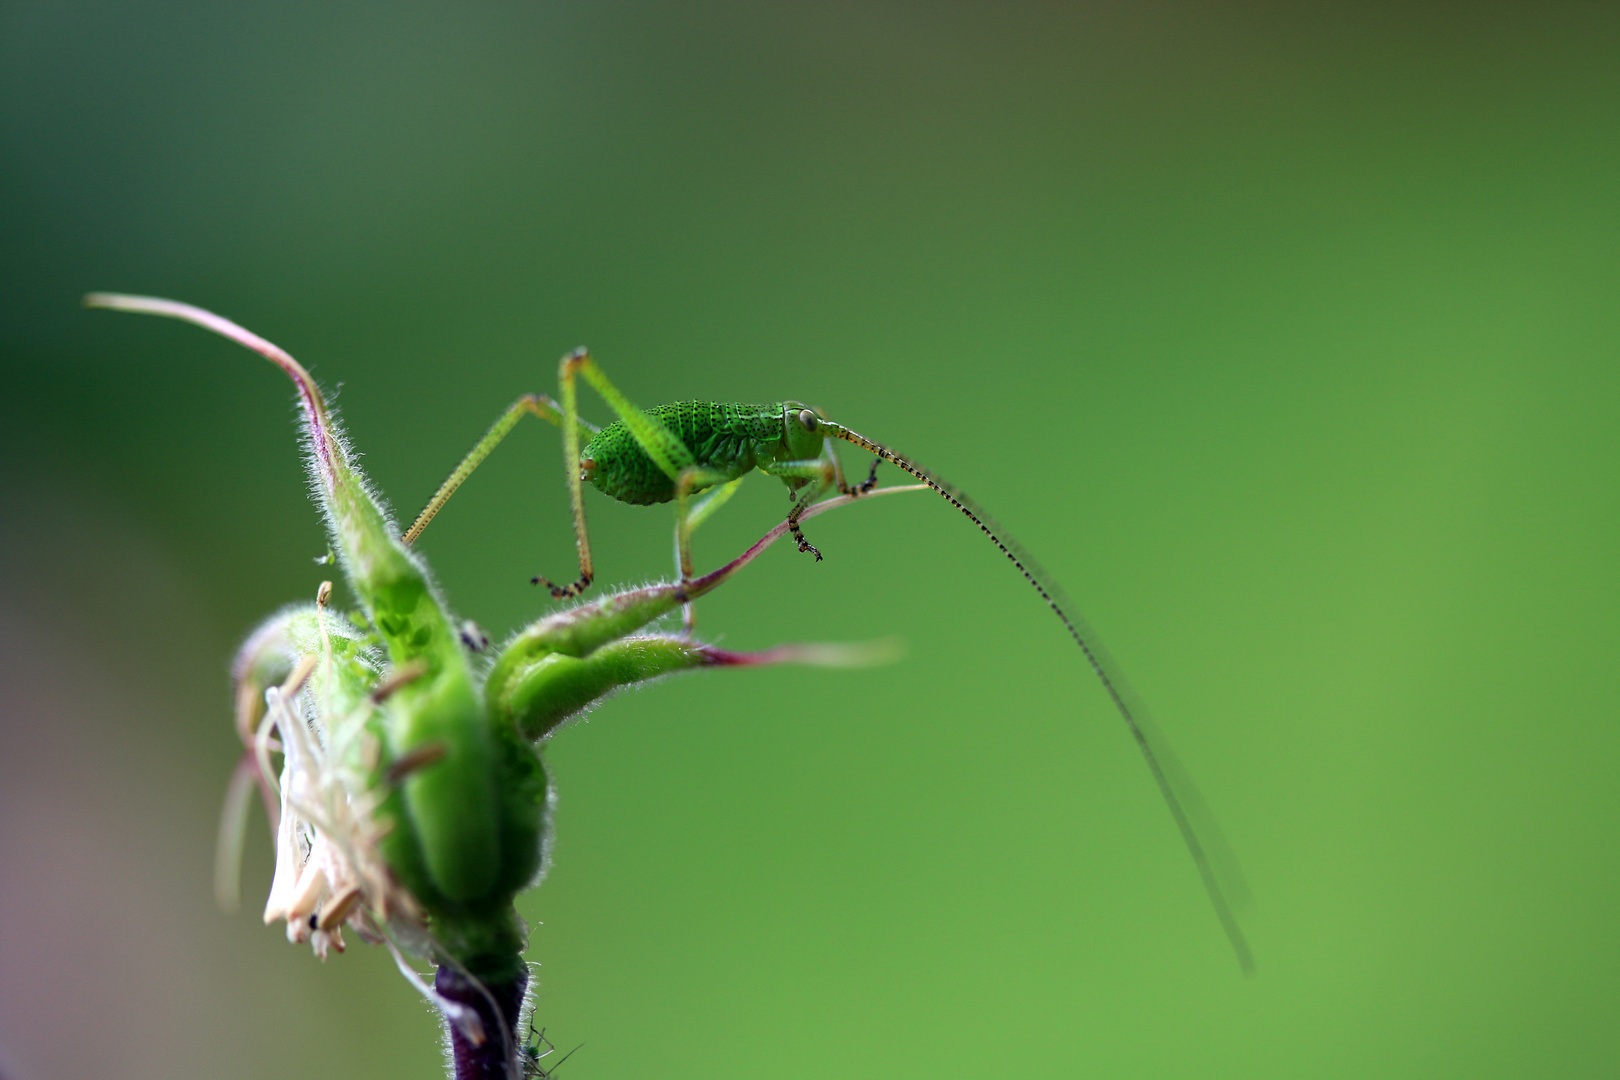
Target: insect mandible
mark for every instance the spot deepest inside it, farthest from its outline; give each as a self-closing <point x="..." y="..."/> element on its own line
<point x="696" y="453"/>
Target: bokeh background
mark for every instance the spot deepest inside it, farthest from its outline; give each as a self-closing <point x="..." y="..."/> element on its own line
<point x="1286" y="336"/>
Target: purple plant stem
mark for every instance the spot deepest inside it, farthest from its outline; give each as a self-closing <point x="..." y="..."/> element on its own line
<point x="494" y="1058"/>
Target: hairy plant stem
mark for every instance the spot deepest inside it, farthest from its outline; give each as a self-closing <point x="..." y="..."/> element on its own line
<point x="496" y="1057"/>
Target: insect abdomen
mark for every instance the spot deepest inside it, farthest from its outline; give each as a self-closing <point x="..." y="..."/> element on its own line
<point x="727" y="438"/>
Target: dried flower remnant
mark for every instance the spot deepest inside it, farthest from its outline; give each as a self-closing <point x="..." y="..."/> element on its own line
<point x="329" y="866"/>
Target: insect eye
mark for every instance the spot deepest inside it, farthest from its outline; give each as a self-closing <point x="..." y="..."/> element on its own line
<point x="808" y="419"/>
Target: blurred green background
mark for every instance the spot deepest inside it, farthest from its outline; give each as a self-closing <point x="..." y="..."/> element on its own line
<point x="1284" y="335"/>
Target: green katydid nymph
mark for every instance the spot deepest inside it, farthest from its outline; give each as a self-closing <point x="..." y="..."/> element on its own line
<point x="675" y="452"/>
<point x="412" y="803"/>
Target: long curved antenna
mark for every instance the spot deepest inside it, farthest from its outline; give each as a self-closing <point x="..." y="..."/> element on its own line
<point x="1203" y="840"/>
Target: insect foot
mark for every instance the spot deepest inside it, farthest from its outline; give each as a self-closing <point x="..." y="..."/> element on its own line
<point x="804" y="545"/>
<point x="870" y="482"/>
<point x="564" y="592"/>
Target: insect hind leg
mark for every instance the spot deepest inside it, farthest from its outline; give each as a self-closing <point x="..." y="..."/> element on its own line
<point x="667" y="452"/>
<point x="532" y="404"/>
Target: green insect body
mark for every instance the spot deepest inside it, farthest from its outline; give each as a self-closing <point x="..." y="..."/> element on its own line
<point x="727" y="440"/>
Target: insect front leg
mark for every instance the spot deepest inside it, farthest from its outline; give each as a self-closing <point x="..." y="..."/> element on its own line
<point x="814" y="477"/>
<point x="854" y="490"/>
<point x="844" y="486"/>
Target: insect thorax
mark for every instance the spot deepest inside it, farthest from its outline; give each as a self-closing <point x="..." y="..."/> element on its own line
<point x="724" y="437"/>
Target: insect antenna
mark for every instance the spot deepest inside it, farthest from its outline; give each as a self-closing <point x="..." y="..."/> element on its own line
<point x="1216" y="867"/>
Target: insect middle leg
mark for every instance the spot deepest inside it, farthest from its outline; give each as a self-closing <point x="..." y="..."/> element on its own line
<point x="688" y="516"/>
